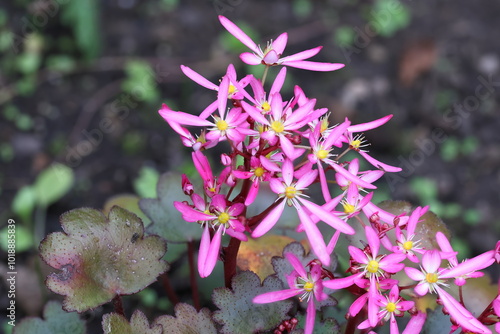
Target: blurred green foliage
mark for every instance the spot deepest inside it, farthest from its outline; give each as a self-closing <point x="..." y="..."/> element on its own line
<point x="83" y="18"/>
<point x="140" y="81"/>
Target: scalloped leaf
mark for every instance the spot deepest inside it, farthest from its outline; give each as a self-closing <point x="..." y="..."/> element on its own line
<point x="101" y="257"/>
<point x="283" y="268"/>
<point x="238" y="314"/>
<point x="255" y="254"/>
<point x="437" y="322"/>
<point x="328" y="326"/>
<point x="57" y="321"/>
<point x="187" y="321"/>
<point x="114" y="323"/>
<point x="167" y="221"/>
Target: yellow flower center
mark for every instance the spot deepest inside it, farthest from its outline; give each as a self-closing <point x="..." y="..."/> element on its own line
<point x="348" y="208"/>
<point x="322" y="154"/>
<point x="290" y="192"/>
<point x="266" y="106"/>
<point x="259" y="171"/>
<point x="231" y="90"/>
<point x="390" y="307"/>
<point x="277" y="126"/>
<point x="408" y="245"/>
<point x="309" y="286"/>
<point x="221" y="125"/>
<point x="324" y="124"/>
<point x="355" y="144"/>
<point x="223" y="218"/>
<point x="372" y="266"/>
<point x="431" y="277"/>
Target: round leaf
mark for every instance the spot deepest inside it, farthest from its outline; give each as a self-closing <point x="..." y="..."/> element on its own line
<point x="100" y="258"/>
<point x="53" y="183"/>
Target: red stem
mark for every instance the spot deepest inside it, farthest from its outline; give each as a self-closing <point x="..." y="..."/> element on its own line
<point x="168" y="289"/>
<point x="230" y="256"/>
<point x="118" y="305"/>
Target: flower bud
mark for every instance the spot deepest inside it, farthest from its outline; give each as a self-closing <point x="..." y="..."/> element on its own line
<point x="187" y="186"/>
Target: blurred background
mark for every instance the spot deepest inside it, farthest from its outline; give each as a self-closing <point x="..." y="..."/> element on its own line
<point x="81" y="83"/>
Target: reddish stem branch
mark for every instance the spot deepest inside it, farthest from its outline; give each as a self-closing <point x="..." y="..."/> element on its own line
<point x="192" y="276"/>
<point x="230" y="255"/>
<point x="169" y="289"/>
<point x="118" y="305"/>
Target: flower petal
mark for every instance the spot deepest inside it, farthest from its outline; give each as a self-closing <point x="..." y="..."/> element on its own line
<point x="199" y="79"/>
<point x="269" y="221"/>
<point x="238" y="33"/>
<point x="274" y="296"/>
<point x="310" y="317"/>
<point x="296" y="264"/>
<point x="313" y="66"/>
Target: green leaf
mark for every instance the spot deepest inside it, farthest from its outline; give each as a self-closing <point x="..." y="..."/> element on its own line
<point x="425" y="188"/>
<point x="141" y="81"/>
<point x="24" y="239"/>
<point x="328" y="326"/>
<point x="24" y="202"/>
<point x="56" y="321"/>
<point x="61" y="63"/>
<point x="167" y="221"/>
<point x="53" y="183"/>
<point x="302" y="8"/>
<point x="469" y="145"/>
<point x="113" y="323"/>
<point x="83" y="18"/>
<point x="28" y="62"/>
<point x="450" y="149"/>
<point x="436" y="322"/>
<point x="100" y="258"/>
<point x="238" y="314"/>
<point x="472" y="217"/>
<point x="187" y="321"/>
<point x="391" y="16"/>
<point x="344" y="36"/>
<point x="145" y="184"/>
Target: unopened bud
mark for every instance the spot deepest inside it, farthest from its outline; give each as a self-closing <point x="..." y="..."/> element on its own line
<point x="187" y="186"/>
<point x="225" y="159"/>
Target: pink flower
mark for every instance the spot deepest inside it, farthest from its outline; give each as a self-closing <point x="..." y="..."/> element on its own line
<point x="261" y="100"/>
<point x="432" y="278"/>
<point x="283" y="122"/>
<point x="233" y="92"/>
<point x="309" y="285"/>
<point x="366" y="176"/>
<point x="391" y="306"/>
<point x="291" y="193"/>
<point x="217" y="216"/>
<point x="357" y="142"/>
<point x="353" y="202"/>
<point x="271" y="55"/>
<point x="260" y="170"/>
<point x="405" y="243"/>
<point x="374" y="267"/>
<point x="445" y="246"/>
<point x="224" y="126"/>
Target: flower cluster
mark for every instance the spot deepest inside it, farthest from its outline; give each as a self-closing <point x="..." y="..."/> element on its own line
<point x="289" y="144"/>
